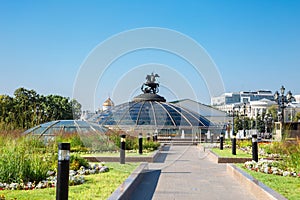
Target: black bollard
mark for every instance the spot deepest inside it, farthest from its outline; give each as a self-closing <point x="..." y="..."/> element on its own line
<point x="221" y="141"/>
<point x="122" y="150"/>
<point x="62" y="185"/>
<point x="148" y="137"/>
<point x="254" y="148"/>
<point x="234" y="144"/>
<point x="140" y="143"/>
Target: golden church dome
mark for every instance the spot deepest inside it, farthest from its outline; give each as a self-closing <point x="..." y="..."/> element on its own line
<point x="108" y="102"/>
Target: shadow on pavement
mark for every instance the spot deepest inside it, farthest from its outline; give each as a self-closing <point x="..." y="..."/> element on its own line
<point x="162" y="155"/>
<point x="147" y="186"/>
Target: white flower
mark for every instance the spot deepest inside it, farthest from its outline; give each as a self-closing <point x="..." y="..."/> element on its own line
<point x="286" y="173"/>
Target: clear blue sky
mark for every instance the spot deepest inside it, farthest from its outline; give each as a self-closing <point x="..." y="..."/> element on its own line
<point x="255" y="44"/>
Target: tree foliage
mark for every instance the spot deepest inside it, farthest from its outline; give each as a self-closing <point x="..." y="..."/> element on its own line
<point x="297" y="117"/>
<point x="28" y="108"/>
<point x="240" y="123"/>
<point x="273" y="110"/>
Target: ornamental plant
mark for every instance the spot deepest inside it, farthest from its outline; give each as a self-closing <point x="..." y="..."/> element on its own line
<point x="76" y="162"/>
<point x="131" y="141"/>
<point x="26" y="162"/>
<point x="287" y="151"/>
<point x="270" y="167"/>
<point x="23" y="159"/>
<point x="244" y="143"/>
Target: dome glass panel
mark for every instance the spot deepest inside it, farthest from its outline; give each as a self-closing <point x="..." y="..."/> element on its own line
<point x="65" y="126"/>
<point x="151" y="113"/>
<point x="92" y="135"/>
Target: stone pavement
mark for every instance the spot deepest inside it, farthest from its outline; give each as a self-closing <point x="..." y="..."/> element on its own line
<point x="185" y="172"/>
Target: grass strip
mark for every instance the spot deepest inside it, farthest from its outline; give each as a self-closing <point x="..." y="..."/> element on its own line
<point x="289" y="187"/>
<point x="227" y="153"/>
<point x="98" y="186"/>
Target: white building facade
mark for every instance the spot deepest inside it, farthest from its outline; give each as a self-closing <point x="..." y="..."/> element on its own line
<point x="241" y="97"/>
<point x="256" y="102"/>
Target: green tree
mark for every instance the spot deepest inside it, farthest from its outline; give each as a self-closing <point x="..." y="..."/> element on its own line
<point x="76" y="106"/>
<point x="240" y="123"/>
<point x="58" y="107"/>
<point x="296" y="117"/>
<point x="27" y="109"/>
<point x="273" y="110"/>
<point x="6" y="112"/>
<point x="260" y="125"/>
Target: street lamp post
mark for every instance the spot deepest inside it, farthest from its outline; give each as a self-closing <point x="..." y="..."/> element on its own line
<point x="266" y="125"/>
<point x="281" y="99"/>
<point x="232" y="112"/>
<point x="268" y="121"/>
<point x="122" y="149"/>
<point x="62" y="190"/>
<point x="244" y="115"/>
<point x="256" y="122"/>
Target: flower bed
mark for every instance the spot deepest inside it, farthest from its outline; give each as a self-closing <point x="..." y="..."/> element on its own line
<point x="262" y="153"/>
<point x="270" y="167"/>
<point x="76" y="177"/>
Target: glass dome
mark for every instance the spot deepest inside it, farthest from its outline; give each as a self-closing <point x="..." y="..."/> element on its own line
<point x="155" y="114"/>
<point x="65" y="126"/>
<point x="149" y="112"/>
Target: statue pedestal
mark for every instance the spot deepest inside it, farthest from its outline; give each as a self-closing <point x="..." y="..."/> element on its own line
<point x="149" y="97"/>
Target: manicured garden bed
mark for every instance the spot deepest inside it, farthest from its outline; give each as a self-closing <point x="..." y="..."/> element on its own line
<point x="27" y="162"/>
<point x="99" y="186"/>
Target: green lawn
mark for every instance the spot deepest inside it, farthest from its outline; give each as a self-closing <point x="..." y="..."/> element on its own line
<point x="289" y="187"/>
<point x="117" y="154"/>
<point x="227" y="153"/>
<point x="99" y="186"/>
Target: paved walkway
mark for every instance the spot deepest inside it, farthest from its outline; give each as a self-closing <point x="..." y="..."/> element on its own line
<point x="184" y="172"/>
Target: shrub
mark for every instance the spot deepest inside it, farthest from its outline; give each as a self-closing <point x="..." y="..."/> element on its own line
<point x="98" y="141"/>
<point x="131" y="141"/>
<point x="244" y="143"/>
<point x="227" y="142"/>
<point x="292" y="158"/>
<point x="72" y="138"/>
<point x="150" y="145"/>
<point x="87" y="142"/>
<point x="76" y="162"/>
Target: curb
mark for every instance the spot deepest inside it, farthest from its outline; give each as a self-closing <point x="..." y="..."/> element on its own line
<point x="258" y="189"/>
<point x="127" y="187"/>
